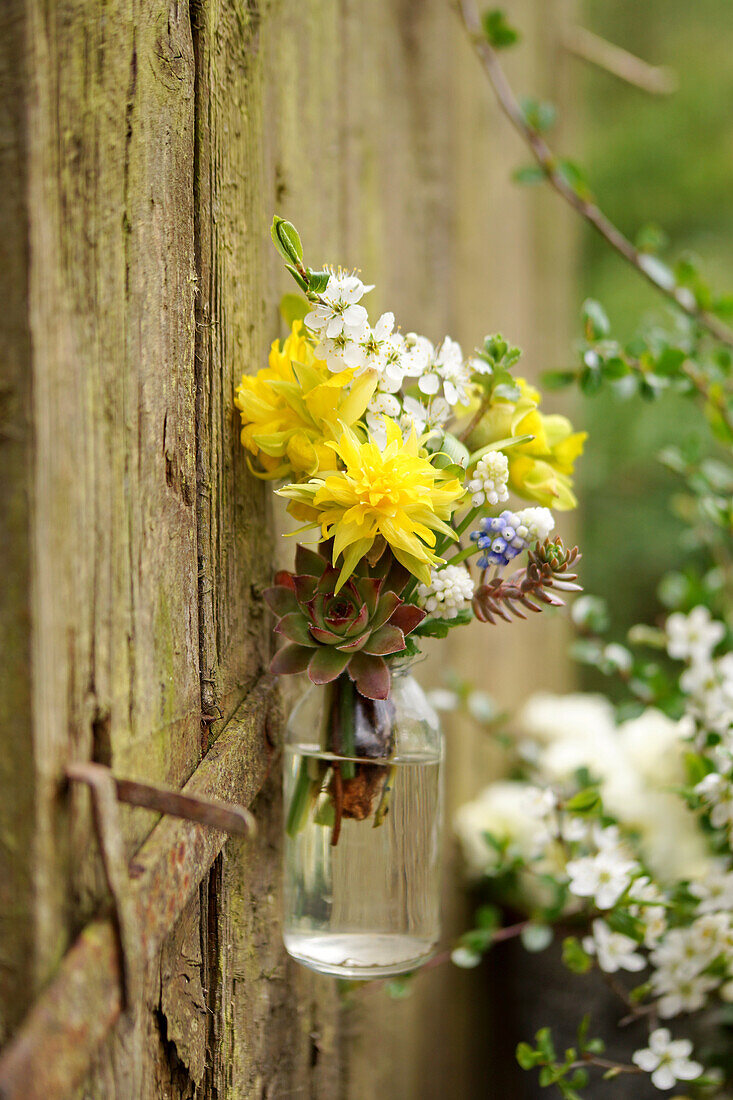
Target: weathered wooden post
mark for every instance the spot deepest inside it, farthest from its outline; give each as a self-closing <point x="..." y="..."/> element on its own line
<point x="143" y="147"/>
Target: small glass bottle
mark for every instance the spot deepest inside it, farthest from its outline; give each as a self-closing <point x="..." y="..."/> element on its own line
<point x="362" y="830"/>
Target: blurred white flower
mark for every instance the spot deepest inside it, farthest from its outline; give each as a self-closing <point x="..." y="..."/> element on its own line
<point x="500" y="809"/>
<point x="667" y="1059"/>
<point x="613" y="950"/>
<point x="693" y="637"/>
<point x="464" y="958"/>
<point x="654" y="746"/>
<point x="603" y="877"/>
<point x="442" y="699"/>
<point x="549" y="717"/>
<point x="714" y="891"/>
<point x="716" y="791"/>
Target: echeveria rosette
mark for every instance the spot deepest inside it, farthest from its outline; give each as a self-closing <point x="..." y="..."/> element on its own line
<point x="330" y="633"/>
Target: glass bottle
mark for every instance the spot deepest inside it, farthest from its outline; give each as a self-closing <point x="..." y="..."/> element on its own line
<point x="362" y="830"/>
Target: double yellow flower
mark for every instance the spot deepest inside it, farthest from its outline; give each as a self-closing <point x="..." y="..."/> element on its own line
<point x="293" y="408"/>
<point x="394" y="493"/>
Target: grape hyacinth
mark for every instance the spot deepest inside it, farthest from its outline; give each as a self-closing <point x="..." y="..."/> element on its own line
<point x="500" y="540"/>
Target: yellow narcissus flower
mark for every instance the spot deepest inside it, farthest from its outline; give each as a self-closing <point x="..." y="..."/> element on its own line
<point x="293" y="408"/>
<point x="394" y="492"/>
<point x="541" y="469"/>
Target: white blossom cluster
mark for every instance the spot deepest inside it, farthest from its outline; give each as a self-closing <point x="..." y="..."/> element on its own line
<point x="707" y="683"/>
<point x="627" y="876"/>
<point x="450" y="591"/>
<point x="346" y="340"/>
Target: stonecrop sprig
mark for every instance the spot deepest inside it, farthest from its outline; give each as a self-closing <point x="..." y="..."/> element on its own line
<point x="397" y="455"/>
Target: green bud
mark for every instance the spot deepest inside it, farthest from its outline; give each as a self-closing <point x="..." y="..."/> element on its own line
<point x="286" y="240"/>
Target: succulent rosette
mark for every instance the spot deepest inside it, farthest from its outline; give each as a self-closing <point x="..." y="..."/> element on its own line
<point x="329" y="633"/>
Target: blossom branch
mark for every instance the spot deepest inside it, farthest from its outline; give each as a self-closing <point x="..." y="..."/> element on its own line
<point x="583" y="205"/>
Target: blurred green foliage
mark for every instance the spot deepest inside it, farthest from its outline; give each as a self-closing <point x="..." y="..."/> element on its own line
<point x="664" y="161"/>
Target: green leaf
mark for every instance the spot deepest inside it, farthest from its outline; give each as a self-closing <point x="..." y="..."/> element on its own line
<point x="507" y="391"/>
<point x="529" y="174"/>
<point x="293" y="308"/>
<point x="456" y="451"/>
<point x="558" y="379"/>
<point x="545" y="1045"/>
<point x="498" y="32"/>
<point x="614" y="368"/>
<point x="318" y="281"/>
<point x="620" y="920"/>
<point x="584" y="802"/>
<point x="538" y="115"/>
<point x="298" y="277"/>
<point x="575" y="178"/>
<point x="651" y="238"/>
<point x="595" y="320"/>
<point x="526" y="1056"/>
<point x="670" y="361"/>
<point x="574" y="957"/>
<point x="489" y="917"/>
<point x="286" y="240"/>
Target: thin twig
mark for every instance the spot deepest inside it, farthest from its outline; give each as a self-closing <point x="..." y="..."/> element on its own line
<point x="587" y="209"/>
<point x="654" y="79"/>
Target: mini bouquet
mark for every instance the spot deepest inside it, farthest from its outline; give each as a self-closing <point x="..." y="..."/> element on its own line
<point x="400" y="457"/>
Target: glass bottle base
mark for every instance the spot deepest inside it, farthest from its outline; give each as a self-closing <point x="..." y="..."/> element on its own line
<point x="358" y="955"/>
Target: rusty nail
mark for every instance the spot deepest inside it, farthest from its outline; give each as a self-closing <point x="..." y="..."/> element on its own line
<point x="103" y="790"/>
<point x="205" y="811"/>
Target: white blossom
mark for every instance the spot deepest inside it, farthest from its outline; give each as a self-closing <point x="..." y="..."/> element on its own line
<point x="685" y="994"/>
<point x="716" y="791"/>
<point x="714" y="891"/>
<point x="613" y="950"/>
<point x="667" y="1059"/>
<point x="465" y="958"/>
<point x="379" y="351"/>
<point x="603" y="877"/>
<point x="338" y="313"/>
<point x="342" y="352"/>
<point x="448" y="369"/>
<point x="489" y="482"/>
<point x="450" y="591"/>
<point x="424" y="416"/>
<point x="539" y="801"/>
<point x="693" y="637"/>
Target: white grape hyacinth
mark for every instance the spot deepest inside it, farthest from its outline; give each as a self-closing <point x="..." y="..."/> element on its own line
<point x="450" y="591"/>
<point x="535" y="524"/>
<point x="667" y="1059"/>
<point x="489" y="482"/>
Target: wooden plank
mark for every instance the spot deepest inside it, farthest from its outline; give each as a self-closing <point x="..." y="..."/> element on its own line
<point x="17" y="772"/>
<point x="53" y="1049"/>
